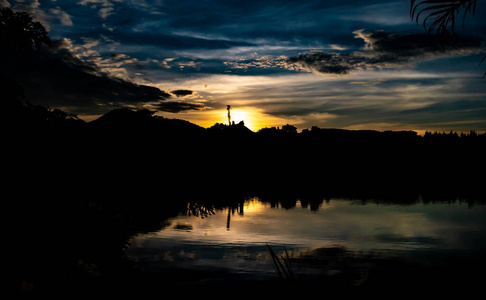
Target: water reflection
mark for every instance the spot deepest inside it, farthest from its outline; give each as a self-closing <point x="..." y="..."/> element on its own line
<point x="339" y="238"/>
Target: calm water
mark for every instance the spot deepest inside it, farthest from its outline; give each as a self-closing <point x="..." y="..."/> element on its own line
<point x="339" y="237"/>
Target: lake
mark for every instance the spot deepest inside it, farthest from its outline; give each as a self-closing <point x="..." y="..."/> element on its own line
<point x="346" y="241"/>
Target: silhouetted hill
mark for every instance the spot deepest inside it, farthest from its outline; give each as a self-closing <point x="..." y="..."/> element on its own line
<point x="125" y="151"/>
<point x="125" y="120"/>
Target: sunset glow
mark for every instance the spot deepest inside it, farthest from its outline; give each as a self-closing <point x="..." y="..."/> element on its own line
<point x="252" y="147"/>
<point x="376" y="69"/>
<point x="253" y="118"/>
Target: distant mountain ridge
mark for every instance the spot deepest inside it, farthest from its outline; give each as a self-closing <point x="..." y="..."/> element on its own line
<point x="28" y="116"/>
<point x="128" y="119"/>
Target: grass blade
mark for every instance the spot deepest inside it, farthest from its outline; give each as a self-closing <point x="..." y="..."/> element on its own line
<point x="282" y="264"/>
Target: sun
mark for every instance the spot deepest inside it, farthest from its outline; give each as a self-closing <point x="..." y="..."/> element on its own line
<point x="252" y="117"/>
<point x="238" y="115"/>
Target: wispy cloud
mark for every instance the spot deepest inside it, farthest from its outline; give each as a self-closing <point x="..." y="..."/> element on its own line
<point x="105" y="7"/>
<point x="62" y="15"/>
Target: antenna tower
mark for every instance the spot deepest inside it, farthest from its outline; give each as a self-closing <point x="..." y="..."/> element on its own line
<point x="228" y="108"/>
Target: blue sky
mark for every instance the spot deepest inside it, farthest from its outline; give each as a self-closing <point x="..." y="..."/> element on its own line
<point x="343" y="64"/>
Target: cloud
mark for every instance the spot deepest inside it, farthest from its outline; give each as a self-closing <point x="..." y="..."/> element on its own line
<point x="165" y="63"/>
<point x="62" y="15"/>
<point x="116" y="64"/>
<point x="382" y="50"/>
<point x="260" y="62"/>
<point x="190" y="64"/>
<point x="32" y="7"/>
<point x="176" y="107"/>
<point x="338" y="47"/>
<point x="105" y="7"/>
<point x="324" y="62"/>
<point x="58" y="78"/>
<point x="182" y="93"/>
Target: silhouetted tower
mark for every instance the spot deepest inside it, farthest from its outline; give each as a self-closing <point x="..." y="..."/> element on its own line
<point x="228" y="108"/>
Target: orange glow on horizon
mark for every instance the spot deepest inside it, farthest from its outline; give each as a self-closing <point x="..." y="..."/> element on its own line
<point x="253" y="118"/>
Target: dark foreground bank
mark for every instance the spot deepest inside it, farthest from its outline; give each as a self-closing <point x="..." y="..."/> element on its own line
<point x="80" y="191"/>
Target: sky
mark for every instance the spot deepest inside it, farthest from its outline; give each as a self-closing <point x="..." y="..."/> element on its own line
<point x="347" y="64"/>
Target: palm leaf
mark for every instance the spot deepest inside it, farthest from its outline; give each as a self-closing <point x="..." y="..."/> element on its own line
<point x="442" y="14"/>
<point x="484" y="58"/>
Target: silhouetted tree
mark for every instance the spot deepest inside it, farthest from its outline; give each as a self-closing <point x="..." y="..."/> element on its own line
<point x="218" y="126"/>
<point x="11" y="90"/>
<point x="289" y="129"/>
<point x="19" y="32"/>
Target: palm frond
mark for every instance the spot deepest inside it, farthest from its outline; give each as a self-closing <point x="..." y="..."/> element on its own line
<point x="483" y="59"/>
<point x="442" y="15"/>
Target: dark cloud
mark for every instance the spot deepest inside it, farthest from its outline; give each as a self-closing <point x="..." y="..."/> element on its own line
<point x="327" y="63"/>
<point x="175" y="107"/>
<point x="55" y="77"/>
<point x="182" y="93"/>
<point x="173" y="41"/>
<point x="252" y="19"/>
<point x="382" y="50"/>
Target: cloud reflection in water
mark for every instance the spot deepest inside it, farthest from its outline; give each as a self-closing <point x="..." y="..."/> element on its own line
<point x="232" y="240"/>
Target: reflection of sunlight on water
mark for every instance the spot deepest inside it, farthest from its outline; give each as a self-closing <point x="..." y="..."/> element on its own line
<point x="235" y="237"/>
<point x="253" y="205"/>
<point x="252" y="222"/>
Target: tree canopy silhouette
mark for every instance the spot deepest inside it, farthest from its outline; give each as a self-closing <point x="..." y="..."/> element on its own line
<point x="19" y="32"/>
